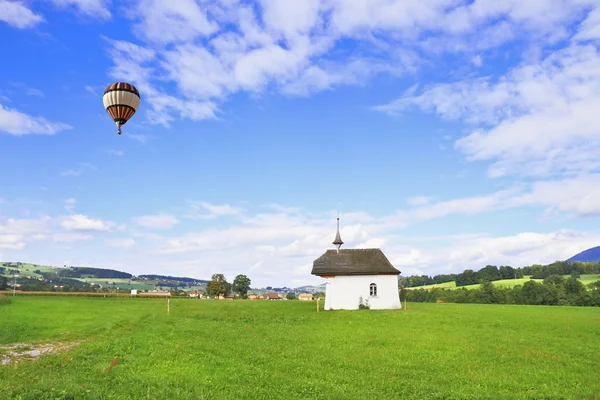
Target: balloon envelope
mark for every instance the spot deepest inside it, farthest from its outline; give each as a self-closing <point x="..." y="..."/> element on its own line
<point x="121" y="100"/>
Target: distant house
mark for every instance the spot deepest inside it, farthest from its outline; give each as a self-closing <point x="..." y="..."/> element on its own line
<point x="197" y="294"/>
<point x="356" y="276"/>
<point x="305" y="296"/>
<point x="272" y="296"/>
<point x="252" y="297"/>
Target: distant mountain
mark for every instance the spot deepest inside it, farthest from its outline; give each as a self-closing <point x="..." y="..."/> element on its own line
<point x="311" y="288"/>
<point x="589" y="255"/>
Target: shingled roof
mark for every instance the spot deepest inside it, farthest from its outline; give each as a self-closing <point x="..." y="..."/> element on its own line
<point x="353" y="262"/>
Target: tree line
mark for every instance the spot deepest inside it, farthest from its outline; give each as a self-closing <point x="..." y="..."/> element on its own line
<point x="493" y="273"/>
<point x="172" y="278"/>
<point x="218" y="286"/>
<point x="99" y="273"/>
<point x="553" y="290"/>
<point x="8" y="271"/>
<point x="35" y="285"/>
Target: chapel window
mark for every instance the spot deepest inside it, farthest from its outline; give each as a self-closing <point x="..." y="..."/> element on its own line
<point x="373" y="289"/>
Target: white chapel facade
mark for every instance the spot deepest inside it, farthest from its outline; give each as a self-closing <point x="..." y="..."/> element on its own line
<point x="357" y="274"/>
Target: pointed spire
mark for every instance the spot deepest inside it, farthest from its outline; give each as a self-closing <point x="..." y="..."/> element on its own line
<point x="338" y="239"/>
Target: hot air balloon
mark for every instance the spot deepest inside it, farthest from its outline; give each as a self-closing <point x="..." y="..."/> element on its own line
<point x="121" y="101"/>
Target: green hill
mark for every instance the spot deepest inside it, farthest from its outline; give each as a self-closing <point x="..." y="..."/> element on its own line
<point x="585" y="279"/>
<point x="43" y="277"/>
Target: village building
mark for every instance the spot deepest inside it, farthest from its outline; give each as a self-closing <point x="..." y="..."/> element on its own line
<point x="197" y="294"/>
<point x="272" y="296"/>
<point x="357" y="276"/>
<point x="305" y="296"/>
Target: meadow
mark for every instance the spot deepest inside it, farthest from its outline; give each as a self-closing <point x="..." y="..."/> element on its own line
<point x="208" y="349"/>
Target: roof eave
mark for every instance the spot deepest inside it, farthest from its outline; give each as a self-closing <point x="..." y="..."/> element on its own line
<point x="354" y="273"/>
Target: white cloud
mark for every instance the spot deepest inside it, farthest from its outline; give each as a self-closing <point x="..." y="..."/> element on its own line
<point x="68" y="237"/>
<point x="91" y="8"/>
<point x="16" y="14"/>
<point x="17" y="123"/>
<point x="206" y="210"/>
<point x="418" y="201"/>
<point x="117" y="153"/>
<point x="519" y="250"/>
<point x="72" y="172"/>
<point x="35" y="92"/>
<point x="477" y="60"/>
<point x="578" y="196"/>
<point x="503" y="199"/>
<point x="80" y="222"/>
<point x="78" y="171"/>
<point x="186" y="20"/>
<point x="538" y="120"/>
<point x="571" y="197"/>
<point x="590" y="27"/>
<point x="158" y="221"/>
<point x="139" y="138"/>
<point x="15" y="233"/>
<point x="278" y="245"/>
<point x="14" y="242"/>
<point x="70" y="204"/>
<point x="215" y="49"/>
<point x="124" y="243"/>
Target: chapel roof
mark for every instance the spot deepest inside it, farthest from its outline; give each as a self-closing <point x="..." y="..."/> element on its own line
<point x="353" y="262"/>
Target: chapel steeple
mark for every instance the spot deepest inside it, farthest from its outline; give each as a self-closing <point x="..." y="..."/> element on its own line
<point x="338" y="239"/>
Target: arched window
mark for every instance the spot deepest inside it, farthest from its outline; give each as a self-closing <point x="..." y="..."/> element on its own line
<point x="373" y="290"/>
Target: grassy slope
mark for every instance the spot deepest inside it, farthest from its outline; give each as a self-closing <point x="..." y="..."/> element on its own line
<point x="275" y="350"/>
<point x="585" y="279"/>
<point x="27" y="270"/>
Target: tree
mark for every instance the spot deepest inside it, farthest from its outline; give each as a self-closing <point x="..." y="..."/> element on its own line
<point x="489" y="273"/>
<point x="241" y="284"/>
<point x="556" y="280"/>
<point x="489" y="294"/>
<point x="573" y="286"/>
<point x="218" y="285"/>
<point x="3" y="283"/>
<point x="290" y="296"/>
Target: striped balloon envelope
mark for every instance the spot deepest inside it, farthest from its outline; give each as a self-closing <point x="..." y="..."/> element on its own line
<point x="121" y="100"/>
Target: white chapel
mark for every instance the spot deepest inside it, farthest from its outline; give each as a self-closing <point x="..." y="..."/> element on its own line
<point x="356" y="275"/>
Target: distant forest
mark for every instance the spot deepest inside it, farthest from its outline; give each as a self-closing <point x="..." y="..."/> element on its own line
<point x="171" y="278"/>
<point x="554" y="290"/>
<point x="492" y="273"/>
<point x="80" y="272"/>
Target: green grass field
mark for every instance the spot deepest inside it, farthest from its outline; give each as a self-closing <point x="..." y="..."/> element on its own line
<point x="274" y="350"/>
<point x="585" y="279"/>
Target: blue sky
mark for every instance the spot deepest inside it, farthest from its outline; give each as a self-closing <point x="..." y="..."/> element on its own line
<point x="452" y="134"/>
